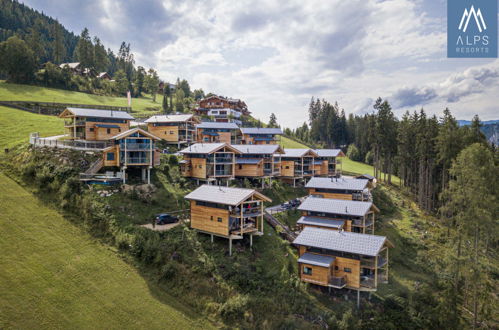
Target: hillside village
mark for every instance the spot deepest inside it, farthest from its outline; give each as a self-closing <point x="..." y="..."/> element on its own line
<point x="336" y="242"/>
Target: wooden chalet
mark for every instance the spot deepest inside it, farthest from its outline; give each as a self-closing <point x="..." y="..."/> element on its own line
<point x="74" y="67"/>
<point x="214" y="132"/>
<point x="337" y="214"/>
<point x="255" y="135"/>
<point x="227" y="212"/>
<point x="372" y="180"/>
<point x="175" y="129"/>
<point x="339" y="259"/>
<point x="133" y="149"/>
<point x="327" y="163"/>
<point x="209" y="162"/>
<point x="339" y="188"/>
<point x="104" y="76"/>
<point x="94" y="124"/>
<point x="297" y="164"/>
<point x="219" y="102"/>
<point x="258" y="161"/>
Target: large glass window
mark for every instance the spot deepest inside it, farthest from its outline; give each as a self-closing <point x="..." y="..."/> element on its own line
<point x="307" y="270"/>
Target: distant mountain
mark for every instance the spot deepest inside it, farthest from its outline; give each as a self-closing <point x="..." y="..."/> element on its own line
<point x="468" y="122"/>
<point x="490" y="128"/>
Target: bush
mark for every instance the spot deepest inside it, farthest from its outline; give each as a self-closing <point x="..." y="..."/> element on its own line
<point x="369" y="158"/>
<point x="353" y="152"/>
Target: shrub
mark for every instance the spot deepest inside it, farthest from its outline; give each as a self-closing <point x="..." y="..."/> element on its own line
<point x="369" y="158"/>
<point x="353" y="152"/>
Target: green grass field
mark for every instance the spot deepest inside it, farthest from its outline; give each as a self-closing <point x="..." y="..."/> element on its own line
<point x="53" y="275"/>
<point x="15" y="92"/>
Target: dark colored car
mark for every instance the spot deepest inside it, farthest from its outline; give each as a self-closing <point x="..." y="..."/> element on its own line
<point x="164" y="218"/>
<point x="295" y="202"/>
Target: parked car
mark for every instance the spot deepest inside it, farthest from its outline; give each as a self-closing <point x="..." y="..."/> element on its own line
<point x="286" y="206"/>
<point x="295" y="202"/>
<point x="164" y="218"/>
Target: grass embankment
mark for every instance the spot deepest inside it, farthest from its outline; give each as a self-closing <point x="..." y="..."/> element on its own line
<point x="53" y="275"/>
<point x="16" y="92"/>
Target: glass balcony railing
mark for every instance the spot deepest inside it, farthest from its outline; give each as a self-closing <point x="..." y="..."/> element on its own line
<point x="136" y="146"/>
<point x="137" y="160"/>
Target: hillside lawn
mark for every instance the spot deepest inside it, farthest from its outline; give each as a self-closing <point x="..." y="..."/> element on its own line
<point x="16" y="92"/>
<point x="53" y="275"/>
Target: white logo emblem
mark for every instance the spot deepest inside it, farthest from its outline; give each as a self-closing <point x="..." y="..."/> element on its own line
<point x="477" y="15"/>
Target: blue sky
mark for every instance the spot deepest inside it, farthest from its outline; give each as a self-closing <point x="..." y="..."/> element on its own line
<point x="277" y="55"/>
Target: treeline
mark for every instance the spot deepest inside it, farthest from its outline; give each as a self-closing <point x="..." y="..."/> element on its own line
<point x="417" y="148"/>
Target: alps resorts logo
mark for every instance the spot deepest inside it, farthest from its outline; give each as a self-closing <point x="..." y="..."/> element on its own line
<point x="472" y="28"/>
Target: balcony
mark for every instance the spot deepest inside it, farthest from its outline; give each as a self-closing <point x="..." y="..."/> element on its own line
<point x="247" y="226"/>
<point x="222" y="160"/>
<point x="136" y="160"/>
<point x="136" y="146"/>
<point x="370" y="262"/>
<point x="338" y="282"/>
<point x="70" y="123"/>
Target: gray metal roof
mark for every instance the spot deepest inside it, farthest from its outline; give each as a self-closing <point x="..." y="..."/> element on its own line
<point x="134" y="130"/>
<point x="256" y="149"/>
<point x="328" y="152"/>
<point x="293" y="153"/>
<point x="316" y="221"/>
<point x="217" y="125"/>
<point x="316" y="260"/>
<point x="168" y="119"/>
<point x="81" y="112"/>
<point x="344" y="241"/>
<point x="257" y="130"/>
<point x="249" y="161"/>
<point x="203" y="148"/>
<point x="337" y="183"/>
<point x="367" y="176"/>
<point x="335" y="206"/>
<point x="221" y="195"/>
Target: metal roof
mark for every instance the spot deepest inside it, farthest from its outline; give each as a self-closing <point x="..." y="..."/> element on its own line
<point x="335" y="206"/>
<point x="316" y="221"/>
<point x="168" y="118"/>
<point x="337" y="183"/>
<point x="81" y="112"/>
<point x="257" y="130"/>
<point x="223" y="195"/>
<point x="328" y="152"/>
<point x="257" y="149"/>
<point x="343" y="241"/>
<point x="135" y="130"/>
<point x="206" y="148"/>
<point x="367" y="176"/>
<point x="292" y="153"/>
<point x="316" y="260"/>
<point x="249" y="161"/>
<point x="207" y="124"/>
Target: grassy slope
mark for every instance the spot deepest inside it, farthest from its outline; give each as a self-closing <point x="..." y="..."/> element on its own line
<point x="15" y="92"/>
<point x="55" y="276"/>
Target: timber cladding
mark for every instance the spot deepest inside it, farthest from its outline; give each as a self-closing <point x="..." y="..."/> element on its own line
<point x="114" y="159"/>
<point x="167" y="133"/>
<point x="212" y="220"/>
<point x="198" y="168"/>
<point x="331" y="195"/>
<point x="319" y="275"/>
<point x="94" y="133"/>
<point x="349" y="268"/>
<point x="249" y="170"/>
<point x="288" y="168"/>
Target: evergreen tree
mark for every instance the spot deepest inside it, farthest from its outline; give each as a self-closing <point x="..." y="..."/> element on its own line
<point x="85" y="50"/>
<point x="151" y="82"/>
<point x="17" y="60"/>
<point x="122" y="82"/>
<point x="273" y="120"/>
<point x="58" y="48"/>
<point x="100" y="56"/>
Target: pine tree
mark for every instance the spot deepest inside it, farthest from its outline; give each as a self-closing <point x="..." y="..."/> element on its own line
<point x="101" y="60"/>
<point x="84" y="50"/>
<point x="58" y="49"/>
<point x="273" y="120"/>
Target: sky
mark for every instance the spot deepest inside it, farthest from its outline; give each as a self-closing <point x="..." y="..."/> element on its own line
<point x="277" y="55"/>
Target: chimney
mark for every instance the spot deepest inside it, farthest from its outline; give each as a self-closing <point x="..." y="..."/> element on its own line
<point x="346" y="209"/>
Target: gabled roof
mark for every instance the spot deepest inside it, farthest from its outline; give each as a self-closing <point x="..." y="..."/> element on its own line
<point x="132" y="131"/>
<point x="316" y="260"/>
<point x="337" y="206"/>
<point x="207" y="148"/>
<point x="366" y="176"/>
<point x="337" y="183"/>
<point x="81" y="112"/>
<point x="329" y="152"/>
<point x="102" y="74"/>
<point x="316" y="221"/>
<point x="224" y="195"/>
<point x="71" y="65"/>
<point x="169" y="118"/>
<point x="258" y="149"/>
<point x="343" y="241"/>
<point x="209" y="124"/>
<point x="257" y="130"/>
<point x="293" y="153"/>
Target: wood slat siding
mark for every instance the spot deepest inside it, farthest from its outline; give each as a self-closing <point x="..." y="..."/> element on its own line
<point x="167" y="133"/>
<point x="201" y="219"/>
<point x="249" y="170"/>
<point x="198" y="168"/>
<point x="320" y="275"/>
<point x="347" y="197"/>
<point x="346" y="227"/>
<point x="116" y="160"/>
<point x="100" y="133"/>
<point x="289" y="172"/>
<point x="353" y="278"/>
<point x="222" y="137"/>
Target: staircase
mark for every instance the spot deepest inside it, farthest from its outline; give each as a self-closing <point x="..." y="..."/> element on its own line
<point x="284" y="230"/>
<point x="95" y="167"/>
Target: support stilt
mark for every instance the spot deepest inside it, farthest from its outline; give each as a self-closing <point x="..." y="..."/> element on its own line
<point x="230" y="246"/>
<point x="124" y="175"/>
<point x="143" y="174"/>
<point x="148" y="176"/>
<point x="358" y="299"/>
<point x="251" y="241"/>
<point x="212" y="238"/>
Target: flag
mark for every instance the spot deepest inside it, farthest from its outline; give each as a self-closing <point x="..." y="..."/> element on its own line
<point x="129" y="98"/>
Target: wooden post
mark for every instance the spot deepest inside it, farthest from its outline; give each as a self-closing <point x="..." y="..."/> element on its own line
<point x="358" y="299"/>
<point x="387" y="264"/>
<point x="376" y="272"/>
<point x="148" y="176"/>
<point x="215" y="165"/>
<point x="261" y="216"/>
<point x="230" y="246"/>
<point x="251" y="241"/>
<point x="242" y="207"/>
<point x="211" y="238"/>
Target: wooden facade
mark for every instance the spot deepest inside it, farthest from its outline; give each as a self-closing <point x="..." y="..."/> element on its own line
<point x="258" y="161"/>
<point x="209" y="162"/>
<point x="340" y="188"/>
<point x="94" y="124"/>
<point x="256" y="135"/>
<point x="328" y="162"/>
<point x="212" y="132"/>
<point x="227" y="212"/>
<point x="175" y="129"/>
<point x="133" y="148"/>
<point x="297" y="164"/>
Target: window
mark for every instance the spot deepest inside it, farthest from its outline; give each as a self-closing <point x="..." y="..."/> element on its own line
<point x="200" y="166"/>
<point x="219" y="219"/>
<point x="347" y="270"/>
<point x="211" y="218"/>
<point x="119" y="129"/>
<point x="240" y="166"/>
<point x="91" y="129"/>
<point x="110" y="156"/>
<point x="287" y="167"/>
<point x="108" y="131"/>
<point x="171" y="132"/>
<point x="336" y="268"/>
<point x="307" y="270"/>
